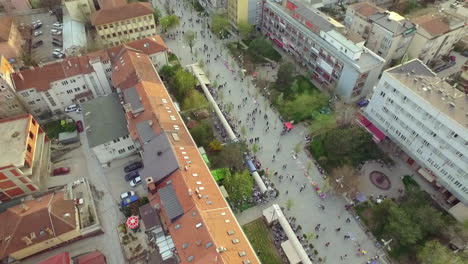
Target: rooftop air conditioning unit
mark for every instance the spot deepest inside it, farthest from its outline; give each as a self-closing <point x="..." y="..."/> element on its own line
<point x="220" y="249"/>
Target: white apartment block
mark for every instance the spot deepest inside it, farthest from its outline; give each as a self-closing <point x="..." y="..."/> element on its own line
<point x="386" y="33"/>
<point x="9" y="103"/>
<point x="436" y="35"/>
<point x="428" y="119"/>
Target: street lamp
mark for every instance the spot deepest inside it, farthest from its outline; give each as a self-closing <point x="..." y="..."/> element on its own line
<point x="386" y="244"/>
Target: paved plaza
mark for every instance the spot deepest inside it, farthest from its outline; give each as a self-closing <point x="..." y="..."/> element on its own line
<point x="306" y="204"/>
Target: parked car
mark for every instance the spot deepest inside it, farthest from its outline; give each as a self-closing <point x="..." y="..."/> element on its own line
<point x="57" y="24"/>
<point x="71" y="108"/>
<point x="37" y="44"/>
<point x="61" y="171"/>
<point x="56" y="31"/>
<point x="56" y="44"/>
<point x="133" y="166"/>
<point x="135" y="181"/>
<point x="445" y="66"/>
<point x="58" y="55"/>
<point x="79" y="126"/>
<point x="127" y="194"/>
<point x="58" y="50"/>
<point x="37" y="33"/>
<point x="57" y="40"/>
<point x="131" y="175"/>
<point x="129" y="200"/>
<point x="465" y="53"/>
<point x="37" y="24"/>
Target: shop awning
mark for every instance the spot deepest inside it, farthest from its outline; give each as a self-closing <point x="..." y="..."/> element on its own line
<point x="377" y="134"/>
<point x="278" y="42"/>
<point x="290" y="252"/>
<point x="426" y="175"/>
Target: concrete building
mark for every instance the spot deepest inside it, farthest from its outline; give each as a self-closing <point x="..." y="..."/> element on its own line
<point x="9" y="103"/>
<point x="337" y="58"/>
<point x="106" y="128"/>
<point x="436" y="35"/>
<point x="74" y="36"/>
<point x="427" y="118"/>
<point x="213" y="5"/>
<point x="80" y="10"/>
<point x="125" y="23"/>
<point x="190" y="204"/>
<point x="48" y="89"/>
<point x="13" y="6"/>
<point x="47" y="221"/>
<point x="11" y="41"/>
<point x="25" y="156"/>
<point x="242" y="11"/>
<point x="386" y="33"/>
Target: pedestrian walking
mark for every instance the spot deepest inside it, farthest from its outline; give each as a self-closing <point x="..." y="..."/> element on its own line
<point x="286" y="192"/>
<point x="338" y="229"/>
<point x="348" y="220"/>
<point x="327" y="244"/>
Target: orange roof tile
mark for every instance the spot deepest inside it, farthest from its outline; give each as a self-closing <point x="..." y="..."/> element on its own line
<point x="40" y="217"/>
<point x="434" y="25"/>
<point x="365" y="8"/>
<point x="106" y="4"/>
<point x="119" y="13"/>
<point x="5" y="28"/>
<point x="210" y="208"/>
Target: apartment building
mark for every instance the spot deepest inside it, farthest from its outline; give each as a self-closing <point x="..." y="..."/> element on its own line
<point x="244" y="11"/>
<point x="9" y="103"/>
<point x="337" y="58"/>
<point x="436" y="35"/>
<point x="79" y="10"/>
<point x="11" y="41"/>
<point x="124" y="23"/>
<point x="427" y="119"/>
<point x="48" y="89"/>
<point x="195" y="214"/>
<point x="25" y="156"/>
<point x="386" y="33"/>
<point x="12" y="6"/>
<point x="106" y="128"/>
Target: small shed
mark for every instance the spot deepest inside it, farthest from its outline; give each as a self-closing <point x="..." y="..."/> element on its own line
<point x="69" y="137"/>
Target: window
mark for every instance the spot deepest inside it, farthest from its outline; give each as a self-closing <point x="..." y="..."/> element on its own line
<point x="131" y="147"/>
<point x="31" y="135"/>
<point x="116" y="140"/>
<point x="64" y="82"/>
<point x="121" y="151"/>
<point x="185" y="245"/>
<point x="25" y="94"/>
<point x="72" y="80"/>
<point x="69" y="91"/>
<point x="31" y="103"/>
<point x="29" y="148"/>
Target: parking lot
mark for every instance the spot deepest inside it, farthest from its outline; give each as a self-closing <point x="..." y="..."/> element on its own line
<point x="42" y="53"/>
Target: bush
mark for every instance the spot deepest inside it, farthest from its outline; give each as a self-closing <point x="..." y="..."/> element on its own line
<point x="202" y="133"/>
<point x="261" y="47"/>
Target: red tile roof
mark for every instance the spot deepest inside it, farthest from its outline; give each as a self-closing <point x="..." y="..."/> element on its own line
<point x="366" y="9"/>
<point x="5" y="28"/>
<point x="210" y="209"/>
<point x="41" y="219"/>
<point x="62" y="258"/>
<point x="41" y="77"/>
<point x="433" y="24"/>
<point x="119" y="13"/>
<point x="95" y="257"/>
<point x="106" y="4"/>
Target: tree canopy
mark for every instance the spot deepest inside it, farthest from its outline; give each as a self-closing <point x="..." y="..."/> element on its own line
<point x="259" y="48"/>
<point x="190" y="38"/>
<point x="195" y="100"/>
<point x="231" y="156"/>
<point x="202" y="133"/>
<point x="183" y="84"/>
<point x="219" y="23"/>
<point x="435" y="253"/>
<point x="239" y="185"/>
<point x="245" y="29"/>
<point x="304" y="106"/>
<point x="169" y="22"/>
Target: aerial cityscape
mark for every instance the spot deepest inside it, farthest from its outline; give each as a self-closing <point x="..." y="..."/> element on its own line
<point x="233" y="131"/>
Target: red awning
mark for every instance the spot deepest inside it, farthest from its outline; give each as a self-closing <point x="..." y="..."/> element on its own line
<point x="278" y="42"/>
<point x="288" y="125"/>
<point x="62" y="258"/>
<point x="364" y="122"/>
<point x="95" y="257"/>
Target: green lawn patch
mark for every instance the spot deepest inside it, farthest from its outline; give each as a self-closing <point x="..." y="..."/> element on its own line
<point x="54" y="128"/>
<point x="262" y="241"/>
<point x="261" y="47"/>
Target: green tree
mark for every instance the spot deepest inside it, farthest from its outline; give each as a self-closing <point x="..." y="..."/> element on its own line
<point x="195" y="100"/>
<point x="190" y="38"/>
<point x="402" y="227"/>
<point x="322" y="123"/>
<point x="435" y="253"/>
<point x="285" y="78"/>
<point x="216" y="145"/>
<point x="231" y="156"/>
<point x="27" y="59"/>
<point x="169" y="22"/>
<point x="202" y="133"/>
<point x="245" y="29"/>
<point x="239" y="185"/>
<point x="259" y="48"/>
<point x="219" y="23"/>
<point x="184" y="82"/>
<point x="304" y="106"/>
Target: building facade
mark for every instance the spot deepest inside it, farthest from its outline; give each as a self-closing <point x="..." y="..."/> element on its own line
<point x="426" y="118"/>
<point x="48" y="89"/>
<point x="244" y="11"/>
<point x="436" y="35"/>
<point x="337" y="59"/>
<point x="11" y="41"/>
<point x="10" y="105"/>
<point x="123" y="24"/>
<point x="386" y="33"/>
<point x="80" y="10"/>
<point x="25" y="156"/>
<point x="13" y="6"/>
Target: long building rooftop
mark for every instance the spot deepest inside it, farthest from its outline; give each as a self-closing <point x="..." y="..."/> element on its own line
<point x="423" y="82"/>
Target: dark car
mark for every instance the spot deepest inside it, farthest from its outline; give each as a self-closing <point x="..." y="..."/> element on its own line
<point x="37" y="43"/>
<point x="56" y="44"/>
<point x="465" y="53"/>
<point x="133" y="166"/>
<point x="79" y="126"/>
<point x="61" y="171"/>
<point x="131" y="175"/>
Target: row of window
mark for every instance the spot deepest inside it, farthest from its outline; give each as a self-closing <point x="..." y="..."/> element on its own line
<point x="130" y="31"/>
<point x="126" y="22"/>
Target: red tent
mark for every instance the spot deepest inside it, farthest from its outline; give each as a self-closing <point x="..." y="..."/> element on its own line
<point x="288" y="125"/>
<point x="95" y="257"/>
<point x="62" y="258"/>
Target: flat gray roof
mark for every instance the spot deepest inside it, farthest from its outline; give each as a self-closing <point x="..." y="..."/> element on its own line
<point x="396" y="27"/>
<point x="159" y="158"/>
<point x="170" y="202"/>
<point x="133" y="98"/>
<point x="423" y="82"/>
<point x="145" y="131"/>
<point x="104" y="119"/>
<point x="13" y="141"/>
<point x="315" y="16"/>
